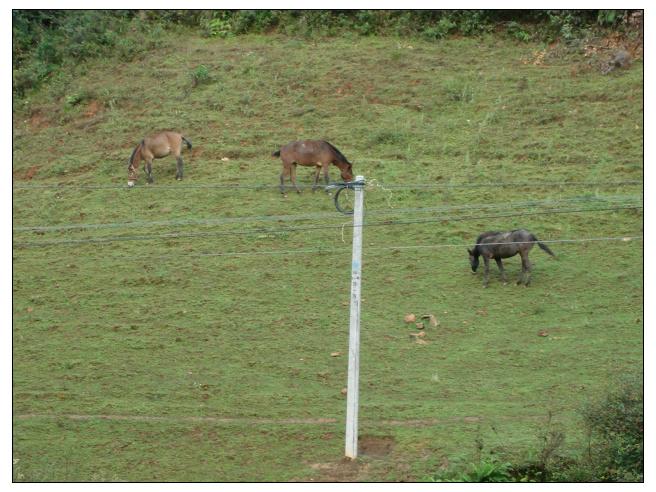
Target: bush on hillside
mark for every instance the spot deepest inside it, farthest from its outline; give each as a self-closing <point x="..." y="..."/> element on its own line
<point x="615" y="450"/>
<point x="46" y="40"/>
<point x="616" y="428"/>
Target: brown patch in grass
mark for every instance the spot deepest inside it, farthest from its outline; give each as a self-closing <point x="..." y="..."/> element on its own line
<point x="27" y="175"/>
<point x="38" y="120"/>
<point x="376" y="446"/>
<point x="345" y="470"/>
<point x="92" y="109"/>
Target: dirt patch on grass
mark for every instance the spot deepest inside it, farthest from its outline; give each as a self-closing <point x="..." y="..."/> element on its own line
<point x="375" y="446"/>
<point x="92" y="109"/>
<point x="345" y="470"/>
<point x="27" y="175"/>
<point x="39" y="120"/>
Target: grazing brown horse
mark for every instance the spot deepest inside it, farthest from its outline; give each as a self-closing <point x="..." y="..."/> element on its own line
<point x="500" y="245"/>
<point x="155" y="147"/>
<point x="317" y="153"/>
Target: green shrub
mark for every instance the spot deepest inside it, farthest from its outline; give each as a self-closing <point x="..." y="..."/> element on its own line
<point x="200" y="75"/>
<point x="615" y="451"/>
<point x="487" y="471"/>
<point x="440" y="30"/>
<point x="516" y="31"/>
<point x="219" y="26"/>
<point x="611" y="17"/>
<point x="258" y="21"/>
<point x="615" y="425"/>
<point x="476" y="22"/>
<point x="73" y="99"/>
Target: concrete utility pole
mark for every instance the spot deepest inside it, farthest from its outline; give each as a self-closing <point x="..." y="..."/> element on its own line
<point x="352" y="397"/>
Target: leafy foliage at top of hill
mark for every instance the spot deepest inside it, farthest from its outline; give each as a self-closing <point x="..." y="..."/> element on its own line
<point x="45" y="41"/>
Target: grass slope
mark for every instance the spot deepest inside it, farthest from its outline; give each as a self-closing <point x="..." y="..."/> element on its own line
<point x="147" y="329"/>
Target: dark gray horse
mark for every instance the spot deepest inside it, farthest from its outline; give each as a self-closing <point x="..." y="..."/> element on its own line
<point x="500" y="245"/>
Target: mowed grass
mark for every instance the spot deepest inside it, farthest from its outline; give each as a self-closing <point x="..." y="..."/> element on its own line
<point x="157" y="360"/>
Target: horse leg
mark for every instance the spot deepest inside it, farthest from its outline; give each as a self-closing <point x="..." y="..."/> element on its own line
<point x="524" y="277"/>
<point x="503" y="272"/>
<point x="486" y="276"/>
<point x="285" y="170"/>
<point x="317" y="170"/>
<point x="527" y="279"/>
<point x="149" y="170"/>
<point x="179" y="168"/>
<point x="292" y="172"/>
<point x="326" y="176"/>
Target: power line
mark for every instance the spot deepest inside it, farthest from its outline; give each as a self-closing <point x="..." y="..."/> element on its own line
<point x="230" y="186"/>
<point x="307" y="228"/>
<point x="202" y="186"/>
<point x="368" y="249"/>
<point x="522" y="214"/>
<point x="324" y="215"/>
<point x="513" y="184"/>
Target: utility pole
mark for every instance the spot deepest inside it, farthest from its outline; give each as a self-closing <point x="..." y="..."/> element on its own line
<point x="352" y="397"/>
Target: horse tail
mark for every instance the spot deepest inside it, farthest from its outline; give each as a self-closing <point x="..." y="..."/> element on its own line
<point x="543" y="246"/>
<point x="276" y="153"/>
<point x="339" y="154"/>
<point x="133" y="153"/>
<point x="187" y="142"/>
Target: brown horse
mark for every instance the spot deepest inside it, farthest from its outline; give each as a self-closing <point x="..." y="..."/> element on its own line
<point x="155" y="147"/>
<point x="317" y="153"/>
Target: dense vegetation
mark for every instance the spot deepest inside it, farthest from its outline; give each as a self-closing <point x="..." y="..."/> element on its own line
<point x="44" y="40"/>
<point x="180" y="331"/>
<point x="613" y="451"/>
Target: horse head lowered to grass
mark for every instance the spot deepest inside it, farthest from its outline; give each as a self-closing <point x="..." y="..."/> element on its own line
<point x="155" y="147"/>
<point x="317" y="153"/>
<point x="499" y="245"/>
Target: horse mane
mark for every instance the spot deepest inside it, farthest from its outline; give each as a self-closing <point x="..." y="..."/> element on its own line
<point x="133" y="153"/>
<point x="481" y="237"/>
<point x="336" y="150"/>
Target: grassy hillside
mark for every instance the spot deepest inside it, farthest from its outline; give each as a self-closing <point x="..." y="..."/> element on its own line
<point x="171" y="358"/>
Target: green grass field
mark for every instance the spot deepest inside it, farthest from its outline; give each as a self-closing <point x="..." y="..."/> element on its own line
<point x="159" y="360"/>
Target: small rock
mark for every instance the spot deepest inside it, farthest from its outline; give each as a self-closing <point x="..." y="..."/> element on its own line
<point x="335" y="354"/>
<point x="431" y="319"/>
<point x="410" y="318"/>
<point x="543" y="333"/>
